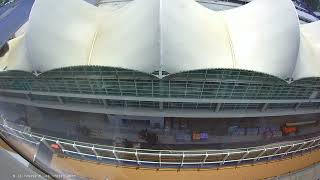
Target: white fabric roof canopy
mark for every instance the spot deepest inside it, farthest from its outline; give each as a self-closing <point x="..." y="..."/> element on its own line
<point x="168" y="35"/>
<point x="265" y="36"/>
<point x="308" y="63"/>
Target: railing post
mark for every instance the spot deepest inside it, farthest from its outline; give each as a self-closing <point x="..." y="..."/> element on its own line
<point x="60" y="145"/>
<point x="243" y="157"/>
<point x="105" y="103"/>
<point x="258" y="157"/>
<point x="22" y="135"/>
<point x="182" y="161"/>
<point x="160" y="159"/>
<point x="5" y="124"/>
<point x="95" y="152"/>
<point x="217" y="109"/>
<point x="300" y="147"/>
<point x="115" y="155"/>
<point x="77" y="149"/>
<point x="34" y="157"/>
<point x="318" y="143"/>
<point x="307" y="148"/>
<point x="43" y="140"/>
<point x="60" y="100"/>
<point x="31" y="137"/>
<point x="264" y="107"/>
<point x="204" y="159"/>
<point x="288" y="150"/>
<point x="137" y="157"/>
<point x="275" y="152"/>
<point x="224" y="159"/>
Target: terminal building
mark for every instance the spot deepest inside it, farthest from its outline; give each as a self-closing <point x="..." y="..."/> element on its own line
<point x="102" y="88"/>
<point x="163" y="58"/>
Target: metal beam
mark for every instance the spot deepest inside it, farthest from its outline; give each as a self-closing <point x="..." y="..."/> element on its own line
<point x="287" y="151"/>
<point x="28" y="96"/>
<point x="163" y="99"/>
<point x="182" y="161"/>
<point x="60" y="145"/>
<point x="258" y="157"/>
<point x="160" y="159"/>
<point x="119" y="86"/>
<point x="161" y="106"/>
<point x="31" y="136"/>
<point x="275" y="152"/>
<point x="136" y="87"/>
<point x="137" y="157"/>
<point x="152" y="88"/>
<point x="24" y="136"/>
<point x="186" y="89"/>
<point x="205" y="159"/>
<point x="224" y="159"/>
<point x="264" y="107"/>
<point x="43" y="140"/>
<point x="77" y="149"/>
<point x="300" y="147"/>
<point x="310" y="144"/>
<point x="34" y="157"/>
<point x="314" y="95"/>
<point x="115" y="155"/>
<point x="296" y="107"/>
<point x="203" y="83"/>
<point x="95" y="152"/>
<point x="156" y="112"/>
<point x="60" y="100"/>
<point x="243" y="157"/>
<point x="169" y="86"/>
<point x="105" y="104"/>
<point x="218" y="107"/>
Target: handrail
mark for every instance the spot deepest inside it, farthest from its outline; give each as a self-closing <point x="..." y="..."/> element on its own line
<point x="70" y="142"/>
<point x="165" y="158"/>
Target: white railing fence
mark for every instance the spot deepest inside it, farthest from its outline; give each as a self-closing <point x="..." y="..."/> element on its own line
<point x="160" y="158"/>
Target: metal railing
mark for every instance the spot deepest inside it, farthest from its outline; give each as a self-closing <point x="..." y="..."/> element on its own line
<point x="161" y="158"/>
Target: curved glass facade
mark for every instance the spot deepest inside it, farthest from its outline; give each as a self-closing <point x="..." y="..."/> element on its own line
<point x="210" y="89"/>
<point x="214" y="84"/>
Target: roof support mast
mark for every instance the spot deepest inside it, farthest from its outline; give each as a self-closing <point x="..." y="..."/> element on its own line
<point x="160" y="39"/>
<point x="161" y="48"/>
